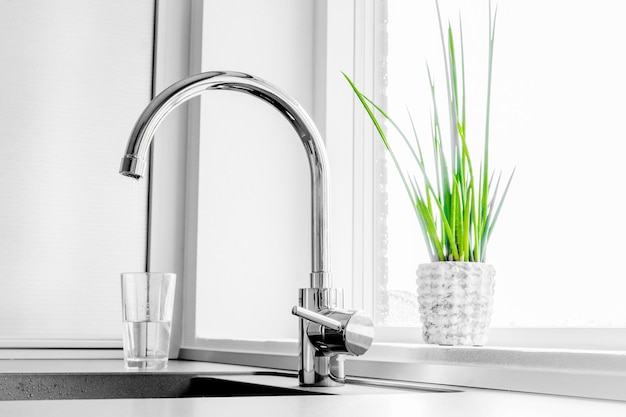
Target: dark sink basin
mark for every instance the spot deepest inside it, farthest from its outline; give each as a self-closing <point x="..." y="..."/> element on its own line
<point x="49" y="386"/>
<point x="119" y="385"/>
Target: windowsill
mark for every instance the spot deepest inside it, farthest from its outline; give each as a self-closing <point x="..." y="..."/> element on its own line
<point x="579" y="373"/>
<point x="542" y="338"/>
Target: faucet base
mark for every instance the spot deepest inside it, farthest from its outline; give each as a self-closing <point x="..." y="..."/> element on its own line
<point x="324" y="374"/>
<point x="315" y="369"/>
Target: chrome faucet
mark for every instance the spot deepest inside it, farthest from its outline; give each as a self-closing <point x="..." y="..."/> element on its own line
<point x="326" y="330"/>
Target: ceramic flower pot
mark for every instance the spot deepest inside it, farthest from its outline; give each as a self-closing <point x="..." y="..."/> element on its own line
<point x="455" y="302"/>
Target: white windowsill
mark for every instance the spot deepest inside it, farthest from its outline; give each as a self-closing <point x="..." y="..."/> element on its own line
<point x="542" y="338"/>
<point x="579" y="373"/>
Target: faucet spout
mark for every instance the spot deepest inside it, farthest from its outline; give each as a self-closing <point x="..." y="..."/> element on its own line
<point x="134" y="162"/>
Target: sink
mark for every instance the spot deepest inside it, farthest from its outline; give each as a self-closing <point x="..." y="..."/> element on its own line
<point x="63" y="386"/>
<point x="119" y="385"/>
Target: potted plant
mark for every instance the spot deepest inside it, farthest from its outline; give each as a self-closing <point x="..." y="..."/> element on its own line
<point x="456" y="209"/>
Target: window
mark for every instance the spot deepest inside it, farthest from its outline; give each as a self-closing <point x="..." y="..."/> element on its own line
<point x="532" y="93"/>
<point x="386" y="284"/>
<point x="556" y="117"/>
<point x="222" y="321"/>
<point x="324" y="40"/>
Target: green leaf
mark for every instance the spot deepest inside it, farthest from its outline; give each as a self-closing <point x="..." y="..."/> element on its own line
<point x="457" y="211"/>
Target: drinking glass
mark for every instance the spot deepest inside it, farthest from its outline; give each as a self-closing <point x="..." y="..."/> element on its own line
<point x="147" y="304"/>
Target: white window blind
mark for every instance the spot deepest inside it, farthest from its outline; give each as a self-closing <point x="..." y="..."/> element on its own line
<point x="74" y="77"/>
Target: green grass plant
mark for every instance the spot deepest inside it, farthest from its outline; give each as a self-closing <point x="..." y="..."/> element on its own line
<point x="456" y="209"/>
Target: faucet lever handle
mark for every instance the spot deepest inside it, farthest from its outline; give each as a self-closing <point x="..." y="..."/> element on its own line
<point x="317" y="318"/>
<point x="350" y="332"/>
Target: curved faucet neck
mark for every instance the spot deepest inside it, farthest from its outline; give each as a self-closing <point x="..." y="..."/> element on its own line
<point x="134" y="162"/>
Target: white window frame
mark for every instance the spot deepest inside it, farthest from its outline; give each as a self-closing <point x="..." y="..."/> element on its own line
<point x="535" y="368"/>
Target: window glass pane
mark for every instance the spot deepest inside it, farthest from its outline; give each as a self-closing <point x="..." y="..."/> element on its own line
<point x="74" y="77"/>
<point x="557" y="116"/>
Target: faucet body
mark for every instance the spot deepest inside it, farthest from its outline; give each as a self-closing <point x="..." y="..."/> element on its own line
<point x="318" y="365"/>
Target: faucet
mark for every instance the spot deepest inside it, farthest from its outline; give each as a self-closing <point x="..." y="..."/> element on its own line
<point x="326" y="330"/>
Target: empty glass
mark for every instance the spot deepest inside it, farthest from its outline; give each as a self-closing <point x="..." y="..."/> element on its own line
<point x="147" y="304"/>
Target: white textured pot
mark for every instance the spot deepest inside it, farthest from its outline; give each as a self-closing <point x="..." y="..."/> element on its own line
<point x="455" y="302"/>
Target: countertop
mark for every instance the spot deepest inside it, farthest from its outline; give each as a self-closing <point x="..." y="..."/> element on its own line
<point x="469" y="402"/>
